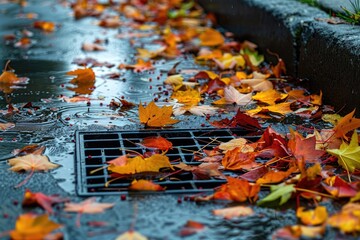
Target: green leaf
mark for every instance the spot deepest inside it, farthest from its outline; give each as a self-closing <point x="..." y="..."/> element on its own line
<point x="255" y="58"/>
<point x="282" y="192"/>
<point x="348" y="154"/>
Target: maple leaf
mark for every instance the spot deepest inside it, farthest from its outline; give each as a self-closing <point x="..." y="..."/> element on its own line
<point x="90" y="47"/>
<point x="237" y="190"/>
<point x="237" y="142"/>
<point x="189" y="96"/>
<point x="30" y="226"/>
<point x="87" y="206"/>
<point x="131" y="235"/>
<point x="233" y="96"/>
<point x="348" y="154"/>
<point x="229" y="61"/>
<point x="156" y="142"/>
<point x="147" y="54"/>
<point x="316" y="216"/>
<point x="145" y="185"/>
<point x="346" y="124"/>
<point x="281" y="191"/>
<point x="140" y="66"/>
<point x="110" y="22"/>
<point x="258" y="82"/>
<point x="139" y="164"/>
<point x="254" y="174"/>
<point x="347" y="220"/>
<point x="191" y="228"/>
<point x="32" y="163"/>
<point x="203" y="171"/>
<point x="339" y="188"/>
<point x="45" y="201"/>
<point x="304" y="148"/>
<point x="279" y="68"/>
<point x="269" y="97"/>
<point x="232" y="212"/>
<point x="281" y="108"/>
<point x="44" y="25"/>
<point x="154" y="116"/>
<point x="298" y="231"/>
<point x="29" y="149"/>
<point x="211" y="37"/>
<point x="203" y="110"/>
<point x="275" y="176"/>
<point x="8" y="76"/>
<point x="85" y="75"/>
<point x="237" y="160"/>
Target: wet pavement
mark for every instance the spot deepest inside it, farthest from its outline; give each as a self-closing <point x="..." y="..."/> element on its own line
<point x="52" y="122"/>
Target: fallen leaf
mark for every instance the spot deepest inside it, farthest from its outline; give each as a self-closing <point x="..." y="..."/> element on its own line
<point x="346" y="124"/>
<point x="348" y="154"/>
<point x="145" y="185"/>
<point x="189" y="96"/>
<point x="313" y="217"/>
<point x="154" y="116"/>
<point x="156" y="142"/>
<point x="211" y="37"/>
<point x="139" y="164"/>
<point x="191" y="228"/>
<point x="203" y="171"/>
<point x="44" y="25"/>
<point x="237" y="142"/>
<point x="29" y="149"/>
<point x="337" y="187"/>
<point x="131" y="235"/>
<point x="273" y="176"/>
<point x="229" y="61"/>
<point x="30" y="163"/>
<point x="203" y="110"/>
<point x="236" y="160"/>
<point x="87" y="206"/>
<point x="269" y="97"/>
<point x="85" y="75"/>
<point x="237" y="190"/>
<point x="254" y="174"/>
<point x="281" y="108"/>
<point x="279" y="68"/>
<point x="348" y="219"/>
<point x="110" y="22"/>
<point x="8" y="76"/>
<point x="140" y="66"/>
<point x="233" y="96"/>
<point x="258" y="82"/>
<point x="296" y="232"/>
<point x="6" y="126"/>
<point x="232" y="212"/>
<point x="45" y="201"/>
<point x="281" y="192"/>
<point x="90" y="47"/>
<point x="30" y="226"/>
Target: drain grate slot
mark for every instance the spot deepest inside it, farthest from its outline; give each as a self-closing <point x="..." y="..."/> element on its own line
<point x="94" y="149"/>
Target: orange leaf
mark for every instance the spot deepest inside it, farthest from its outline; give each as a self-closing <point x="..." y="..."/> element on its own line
<point x="237" y="190"/>
<point x="85" y="75"/>
<point x="139" y="164"/>
<point x="30" y="226"/>
<point x="346" y="124"/>
<point x="232" y="212"/>
<point x="154" y="116"/>
<point x="269" y="97"/>
<point x="275" y="176"/>
<point x="235" y="159"/>
<point x="6" y="126"/>
<point x="190" y="228"/>
<point x="8" y="76"/>
<point x="156" y="142"/>
<point x="347" y="220"/>
<point x="131" y="235"/>
<point x="189" y="96"/>
<point x="44" y="25"/>
<point x="312" y="217"/>
<point x="145" y="185"/>
<point x="140" y="66"/>
<point x="211" y="38"/>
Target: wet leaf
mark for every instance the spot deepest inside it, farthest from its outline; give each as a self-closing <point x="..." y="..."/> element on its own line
<point x="6" y="126"/>
<point x="8" y="76"/>
<point x="258" y="82"/>
<point x="154" y="116"/>
<point x="229" y="61"/>
<point x="91" y="47"/>
<point x="87" y="206"/>
<point x="139" y="164"/>
<point x="189" y="96"/>
<point x="296" y="232"/>
<point x="156" y="142"/>
<point x="44" y="25"/>
<point x="237" y="190"/>
<point x="203" y="110"/>
<point x="233" y="212"/>
<point x="203" y="171"/>
<point x="29" y="149"/>
<point x="211" y="37"/>
<point x="140" y="66"/>
<point x="233" y="96"/>
<point x="237" y="142"/>
<point x="191" y="228"/>
<point x="237" y="160"/>
<point x="131" y="235"/>
<point x="269" y="97"/>
<point x="348" y="154"/>
<point x="275" y="176"/>
<point x="346" y="124"/>
<point x="85" y="75"/>
<point x="278" y="192"/>
<point x="144" y="185"/>
<point x="30" y="226"/>
<point x="337" y="187"/>
<point x="348" y="219"/>
<point x="45" y="201"/>
<point x="313" y="217"/>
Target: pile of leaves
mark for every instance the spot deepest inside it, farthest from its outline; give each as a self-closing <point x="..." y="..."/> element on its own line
<point x="306" y="164"/>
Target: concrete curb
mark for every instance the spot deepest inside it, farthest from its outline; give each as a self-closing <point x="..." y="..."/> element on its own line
<point x="328" y="55"/>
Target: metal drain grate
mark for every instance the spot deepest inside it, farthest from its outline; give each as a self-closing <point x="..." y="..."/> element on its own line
<point x="93" y="149"/>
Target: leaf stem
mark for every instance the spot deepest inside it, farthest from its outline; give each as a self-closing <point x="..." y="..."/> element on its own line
<point x="26" y="179"/>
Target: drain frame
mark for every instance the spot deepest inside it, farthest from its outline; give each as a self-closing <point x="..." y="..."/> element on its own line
<point x="94" y="148"/>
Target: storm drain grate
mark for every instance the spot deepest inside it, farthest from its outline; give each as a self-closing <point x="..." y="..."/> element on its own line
<point x="94" y="149"/>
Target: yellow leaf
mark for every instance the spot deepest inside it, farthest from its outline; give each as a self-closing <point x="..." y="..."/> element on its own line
<point x="31" y="162"/>
<point x="85" y="75"/>
<point x="270" y="96"/>
<point x="189" y="96"/>
<point x="211" y="38"/>
<point x="348" y="154"/>
<point x="154" y="116"/>
<point x="331" y="118"/>
<point x="348" y="219"/>
<point x="228" y="61"/>
<point x="232" y="212"/>
<point x="131" y="235"/>
<point x="147" y="54"/>
<point x="316" y="216"/>
<point x="8" y="76"/>
<point x="346" y="124"/>
<point x="139" y="164"/>
<point x="30" y="226"/>
<point x="281" y="108"/>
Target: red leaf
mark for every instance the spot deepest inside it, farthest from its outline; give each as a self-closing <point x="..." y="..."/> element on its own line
<point x="191" y="228"/>
<point x="31" y="198"/>
<point x="339" y="188"/>
<point x="156" y="142"/>
<point x="255" y="174"/>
